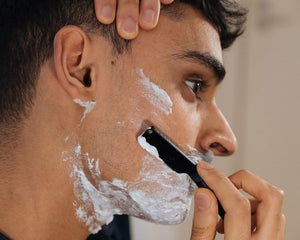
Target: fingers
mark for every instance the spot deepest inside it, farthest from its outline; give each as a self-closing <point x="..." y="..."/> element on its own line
<point x="263" y="191"/>
<point x="130" y="14"/>
<point x="127" y="18"/>
<point x="265" y="210"/>
<point x="253" y="204"/>
<point x="105" y="10"/>
<point x="236" y="206"/>
<point x="205" y="215"/>
<point x="149" y="13"/>
<point x="269" y="220"/>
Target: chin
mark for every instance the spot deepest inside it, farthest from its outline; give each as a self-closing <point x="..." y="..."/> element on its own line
<point x="168" y="207"/>
<point x="174" y="213"/>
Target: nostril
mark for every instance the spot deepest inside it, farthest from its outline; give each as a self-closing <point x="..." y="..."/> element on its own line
<point x="219" y="147"/>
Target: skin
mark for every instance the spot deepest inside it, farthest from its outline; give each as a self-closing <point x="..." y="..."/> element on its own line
<point x="43" y="191"/>
<point x="130" y="15"/>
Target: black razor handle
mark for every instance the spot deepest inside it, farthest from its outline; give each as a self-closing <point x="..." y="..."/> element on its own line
<point x="175" y="158"/>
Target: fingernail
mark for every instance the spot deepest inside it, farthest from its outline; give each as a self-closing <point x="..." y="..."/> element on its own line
<point x="202" y="202"/>
<point x="205" y="165"/>
<point x="148" y="16"/>
<point x="107" y="12"/>
<point x="129" y="25"/>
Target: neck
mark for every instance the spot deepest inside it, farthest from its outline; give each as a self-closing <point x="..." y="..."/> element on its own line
<point x="34" y="204"/>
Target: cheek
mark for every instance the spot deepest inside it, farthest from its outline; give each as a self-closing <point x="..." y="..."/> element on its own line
<point x="119" y="118"/>
<point x="111" y="134"/>
<point x="185" y="122"/>
<point x="114" y="174"/>
<point x="120" y="156"/>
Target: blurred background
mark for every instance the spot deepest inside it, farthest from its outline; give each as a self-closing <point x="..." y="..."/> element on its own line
<point x="260" y="98"/>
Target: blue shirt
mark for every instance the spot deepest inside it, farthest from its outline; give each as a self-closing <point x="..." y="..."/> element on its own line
<point x="2" y="237"/>
<point x="118" y="229"/>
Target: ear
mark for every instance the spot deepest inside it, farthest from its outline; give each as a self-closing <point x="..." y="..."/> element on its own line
<point x="72" y="59"/>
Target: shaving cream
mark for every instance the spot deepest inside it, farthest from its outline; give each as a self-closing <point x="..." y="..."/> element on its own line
<point x="158" y="194"/>
<point x="88" y="105"/>
<point x="195" y="156"/>
<point x="154" y="94"/>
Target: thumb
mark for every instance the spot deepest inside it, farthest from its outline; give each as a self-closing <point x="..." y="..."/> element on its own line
<point x="205" y="215"/>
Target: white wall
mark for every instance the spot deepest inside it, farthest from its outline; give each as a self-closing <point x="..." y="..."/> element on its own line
<point x="272" y="128"/>
<point x="261" y="99"/>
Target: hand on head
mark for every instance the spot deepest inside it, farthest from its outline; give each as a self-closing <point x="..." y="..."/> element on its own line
<point x="129" y="14"/>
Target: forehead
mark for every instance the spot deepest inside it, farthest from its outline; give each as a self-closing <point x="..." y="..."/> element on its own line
<point x="190" y="32"/>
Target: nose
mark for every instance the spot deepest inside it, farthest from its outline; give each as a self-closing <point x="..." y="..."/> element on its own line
<point x="216" y="134"/>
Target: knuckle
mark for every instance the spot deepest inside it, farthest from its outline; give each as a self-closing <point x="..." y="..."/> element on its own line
<point x="150" y="3"/>
<point x="280" y="195"/>
<point x="214" y="178"/>
<point x="242" y="206"/>
<point x="244" y="172"/>
<point x="275" y="195"/>
<point x="128" y="7"/>
<point x="218" y="177"/>
<point x="201" y="232"/>
<point x="283" y="219"/>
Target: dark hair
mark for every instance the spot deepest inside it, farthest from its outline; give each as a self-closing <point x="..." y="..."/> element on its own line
<point x="227" y="16"/>
<point x="28" y="28"/>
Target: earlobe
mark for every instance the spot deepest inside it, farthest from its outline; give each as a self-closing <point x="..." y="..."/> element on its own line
<point x="72" y="48"/>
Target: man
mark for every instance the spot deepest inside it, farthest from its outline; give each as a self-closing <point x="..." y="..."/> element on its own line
<point x="74" y="100"/>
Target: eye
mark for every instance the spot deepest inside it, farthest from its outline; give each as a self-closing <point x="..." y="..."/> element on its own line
<point x="197" y="86"/>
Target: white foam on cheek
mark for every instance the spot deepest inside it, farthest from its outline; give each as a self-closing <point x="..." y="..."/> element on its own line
<point x="158" y="194"/>
<point x="167" y="198"/>
<point x="149" y="148"/>
<point x="195" y="156"/>
<point x="154" y="94"/>
<point x="94" y="207"/>
<point x="88" y="105"/>
<point x="171" y="211"/>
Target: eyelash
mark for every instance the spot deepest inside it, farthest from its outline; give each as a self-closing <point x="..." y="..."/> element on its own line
<point x="197" y="86"/>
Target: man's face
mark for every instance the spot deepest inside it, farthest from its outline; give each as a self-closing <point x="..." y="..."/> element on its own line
<point x="168" y="79"/>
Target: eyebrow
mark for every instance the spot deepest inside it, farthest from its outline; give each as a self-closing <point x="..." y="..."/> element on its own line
<point x="207" y="59"/>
